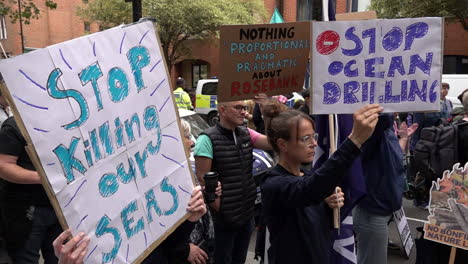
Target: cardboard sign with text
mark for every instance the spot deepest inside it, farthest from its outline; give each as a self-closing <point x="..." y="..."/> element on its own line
<point x="100" y="116"/>
<point x="268" y="58"/>
<point x="396" y="63"/>
<point x="448" y="208"/>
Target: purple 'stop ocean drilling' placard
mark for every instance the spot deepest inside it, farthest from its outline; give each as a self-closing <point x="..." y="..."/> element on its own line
<point x="396" y="63"/>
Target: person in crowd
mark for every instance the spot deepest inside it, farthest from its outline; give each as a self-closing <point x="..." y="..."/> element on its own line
<point x="249" y="114"/>
<point x="174" y="249"/>
<point x="257" y="118"/>
<point x="463" y="113"/>
<point x="299" y="104"/>
<point x="201" y="241"/>
<point x="384" y="174"/>
<point x="227" y="149"/>
<point x="182" y="98"/>
<point x="4" y="108"/>
<point x="421" y="198"/>
<point x="446" y="105"/>
<point x="28" y="219"/>
<point x="297" y="202"/>
<point x="305" y="108"/>
<point x="463" y="130"/>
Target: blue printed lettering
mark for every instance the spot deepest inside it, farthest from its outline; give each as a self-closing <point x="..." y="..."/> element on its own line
<point x="416" y="61"/>
<point x="141" y="160"/>
<point x="108" y="185"/>
<point x="370" y="33"/>
<point x="119" y="132"/>
<point x="389" y="98"/>
<point x="416" y="30"/>
<point x="102" y="229"/>
<point x="350" y="88"/>
<point x="151" y="203"/>
<point x="432" y="91"/>
<point x="126" y="177"/>
<point x="404" y="90"/>
<point x="68" y="161"/>
<point x="91" y="74"/>
<point x="139" y="58"/>
<point x="372" y="93"/>
<point x="348" y="71"/>
<point x="349" y="34"/>
<point x="331" y="93"/>
<point x="87" y="153"/>
<point x="370" y="67"/>
<point x="365" y="91"/>
<point x="95" y="145"/>
<point x="393" y="39"/>
<point x="166" y="187"/>
<point x="106" y="139"/>
<point x="129" y="127"/>
<point x="396" y="64"/>
<point x="126" y="221"/>
<point x="335" y="67"/>
<point x="55" y="93"/>
<point x="414" y="90"/>
<point x="118" y="85"/>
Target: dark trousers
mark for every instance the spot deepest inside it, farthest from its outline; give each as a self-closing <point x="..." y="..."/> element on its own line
<point x="232" y="244"/>
<point x="44" y="228"/>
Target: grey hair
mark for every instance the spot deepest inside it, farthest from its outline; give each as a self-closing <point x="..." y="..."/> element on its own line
<point x="186" y="130"/>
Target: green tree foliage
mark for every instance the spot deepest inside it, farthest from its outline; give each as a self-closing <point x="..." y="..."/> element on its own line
<point x="28" y="9"/>
<point x="422" y="8"/>
<point x="178" y="20"/>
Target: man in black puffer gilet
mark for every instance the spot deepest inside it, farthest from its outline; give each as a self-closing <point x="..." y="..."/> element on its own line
<point x="227" y="149"/>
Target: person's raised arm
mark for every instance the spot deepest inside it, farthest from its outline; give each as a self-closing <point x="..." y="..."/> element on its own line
<point x="364" y="122"/>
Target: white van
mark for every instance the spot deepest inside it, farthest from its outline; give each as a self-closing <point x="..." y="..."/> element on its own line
<point x="458" y="83"/>
<point x="206" y="100"/>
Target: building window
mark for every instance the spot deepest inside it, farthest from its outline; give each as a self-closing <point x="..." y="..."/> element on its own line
<point x="199" y="71"/>
<point x="309" y="10"/>
<point x="87" y="27"/>
<point x="455" y="64"/>
<point x="358" y="5"/>
<point x="3" y="31"/>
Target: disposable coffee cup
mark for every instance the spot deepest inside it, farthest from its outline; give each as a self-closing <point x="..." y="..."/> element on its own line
<point x="211" y="182"/>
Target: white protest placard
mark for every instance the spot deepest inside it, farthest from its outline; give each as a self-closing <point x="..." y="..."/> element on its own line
<point x="100" y="114"/>
<point x="396" y="63"/>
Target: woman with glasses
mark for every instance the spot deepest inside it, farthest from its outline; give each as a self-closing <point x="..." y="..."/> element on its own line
<point x="297" y="203"/>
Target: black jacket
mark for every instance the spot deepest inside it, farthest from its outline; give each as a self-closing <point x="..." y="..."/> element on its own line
<point x="232" y="159"/>
<point x="297" y="218"/>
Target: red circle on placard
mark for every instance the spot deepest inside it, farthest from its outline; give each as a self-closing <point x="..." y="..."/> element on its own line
<point x="327" y="42"/>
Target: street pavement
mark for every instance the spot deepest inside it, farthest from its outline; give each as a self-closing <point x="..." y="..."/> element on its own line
<point x="394" y="256"/>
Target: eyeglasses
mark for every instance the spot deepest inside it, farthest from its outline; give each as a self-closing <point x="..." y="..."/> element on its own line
<point x="309" y="139"/>
<point x="239" y="107"/>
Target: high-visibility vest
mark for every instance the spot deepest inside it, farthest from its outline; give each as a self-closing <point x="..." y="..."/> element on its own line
<point x="182" y="99"/>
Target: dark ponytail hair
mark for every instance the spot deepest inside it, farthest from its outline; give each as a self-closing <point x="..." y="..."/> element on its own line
<point x="280" y="120"/>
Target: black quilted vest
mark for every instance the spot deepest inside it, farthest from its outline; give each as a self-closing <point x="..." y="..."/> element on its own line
<point x="233" y="162"/>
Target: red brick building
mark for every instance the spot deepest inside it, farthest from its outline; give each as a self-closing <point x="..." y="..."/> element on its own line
<point x="53" y="26"/>
<point x="62" y="24"/>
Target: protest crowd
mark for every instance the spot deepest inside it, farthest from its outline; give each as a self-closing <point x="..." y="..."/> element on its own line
<point x="297" y="201"/>
<point x="300" y="193"/>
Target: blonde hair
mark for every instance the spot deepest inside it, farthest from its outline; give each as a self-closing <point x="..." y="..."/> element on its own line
<point x="186" y="130"/>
